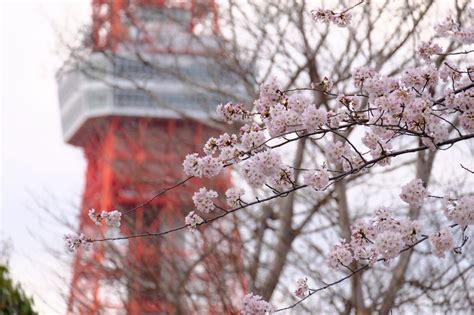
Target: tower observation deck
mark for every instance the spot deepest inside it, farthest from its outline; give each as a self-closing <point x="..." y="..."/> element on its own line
<point x="128" y="104"/>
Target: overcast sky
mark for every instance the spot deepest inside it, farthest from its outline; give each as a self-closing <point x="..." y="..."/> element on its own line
<point x="37" y="167"/>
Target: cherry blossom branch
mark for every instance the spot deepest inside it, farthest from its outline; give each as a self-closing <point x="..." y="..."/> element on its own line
<point x="465" y="168"/>
<point x="247" y="154"/>
<point x="350" y="8"/>
<point x="353" y="272"/>
<point x="465" y="52"/>
<point x="161" y="192"/>
<point x="284" y="193"/>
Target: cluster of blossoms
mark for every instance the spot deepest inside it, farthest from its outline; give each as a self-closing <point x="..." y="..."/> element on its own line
<point x="428" y="49"/>
<point x="110" y="218"/>
<point x="230" y="112"/>
<point x="398" y="105"/>
<point x="342" y="19"/>
<point x="318" y="179"/>
<point x="461" y="211"/>
<point x="233" y="196"/>
<point x="449" y="28"/>
<point x="381" y="237"/>
<point x="441" y="242"/>
<point x="75" y="241"/>
<point x="340" y="255"/>
<point x="340" y="153"/>
<point x="255" y="305"/>
<point x="192" y="220"/>
<point x="414" y="193"/>
<point x="206" y="166"/>
<point x="405" y="103"/>
<point x="266" y="167"/>
<point x="301" y="287"/>
<point x="203" y="200"/>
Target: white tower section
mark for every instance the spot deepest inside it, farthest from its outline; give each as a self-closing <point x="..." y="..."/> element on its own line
<point x="170" y="80"/>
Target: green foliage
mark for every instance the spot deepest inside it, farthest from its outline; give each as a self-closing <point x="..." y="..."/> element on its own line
<point x="12" y="298"/>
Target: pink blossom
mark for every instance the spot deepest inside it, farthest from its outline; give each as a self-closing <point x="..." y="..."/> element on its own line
<point x="389" y="244"/>
<point x="283" y="179"/>
<point x="314" y="118"/>
<point x="111" y="218"/>
<point x="233" y="196"/>
<point x="73" y="242"/>
<point x="270" y="95"/>
<point x="465" y="35"/>
<point x="420" y="78"/>
<point x="255" y="305"/>
<point x="428" y="49"/>
<point x="448" y="71"/>
<point x="203" y="200"/>
<point x="414" y="193"/>
<point x="253" y="139"/>
<point x="298" y="102"/>
<point x="230" y="112"/>
<point x="340" y="255"/>
<point x="342" y="19"/>
<point x="322" y="15"/>
<point x="441" y="242"/>
<point x="318" y="179"/>
<point x="193" y="220"/>
<point x="211" y="146"/>
<point x="466" y="120"/>
<point x="445" y="27"/>
<point x="260" y="166"/>
<point x="336" y="150"/>
<point x="301" y="287"/>
<point x="210" y="166"/>
<point x="191" y="165"/>
<point x="463" y="212"/>
<point x="361" y="74"/>
<point x="207" y="166"/>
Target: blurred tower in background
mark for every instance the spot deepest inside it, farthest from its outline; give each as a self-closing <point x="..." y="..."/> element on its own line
<point x="134" y="142"/>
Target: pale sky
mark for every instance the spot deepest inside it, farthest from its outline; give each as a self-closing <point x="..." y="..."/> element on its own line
<point x="37" y="167"/>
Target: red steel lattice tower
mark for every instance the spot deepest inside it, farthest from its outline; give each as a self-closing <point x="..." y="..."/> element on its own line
<point x="134" y="142"/>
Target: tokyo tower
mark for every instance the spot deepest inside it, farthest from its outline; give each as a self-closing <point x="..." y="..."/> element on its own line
<point x="126" y="105"/>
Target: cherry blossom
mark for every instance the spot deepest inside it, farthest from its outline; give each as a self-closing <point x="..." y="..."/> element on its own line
<point x="318" y="179"/>
<point x="207" y="166"/>
<point x="340" y="255"/>
<point x="389" y="244"/>
<point x="414" y="193"/>
<point x="255" y="305"/>
<point x="314" y="118"/>
<point x="428" y="49"/>
<point x="283" y="179"/>
<point x="233" y="196"/>
<point x="230" y="112"/>
<point x="191" y="165"/>
<point x="73" y="242"/>
<point x="361" y="74"/>
<point x="462" y="212"/>
<point x="111" y="218"/>
<point x="192" y="220"/>
<point x="253" y="138"/>
<point x="203" y="200"/>
<point x="441" y="242"/>
<point x="301" y="287"/>
<point x="342" y="19"/>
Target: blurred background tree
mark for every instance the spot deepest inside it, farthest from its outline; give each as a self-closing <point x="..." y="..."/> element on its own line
<point x="12" y="298"/>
